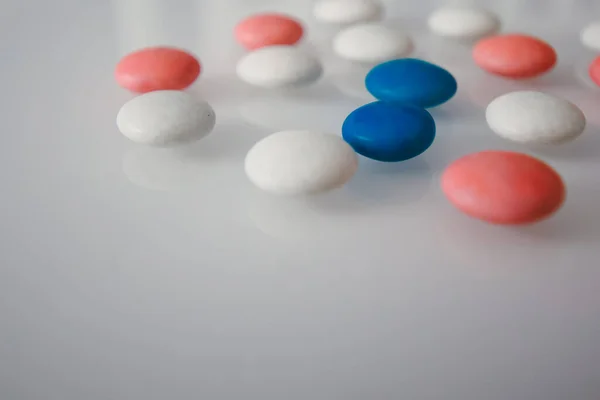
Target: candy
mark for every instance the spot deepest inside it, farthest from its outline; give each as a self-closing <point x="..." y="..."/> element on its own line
<point x="590" y="36"/>
<point x="347" y="11"/>
<point x="411" y="81"/>
<point x="503" y="187"/>
<point x="371" y="43"/>
<point x="535" y="117"/>
<point x="279" y="66"/>
<point x="165" y="117"/>
<point x="300" y="162"/>
<point x="157" y="68"/>
<point x="595" y="71"/>
<point x="268" y="30"/>
<point x="463" y="22"/>
<point x="514" y="56"/>
<point x="389" y="131"/>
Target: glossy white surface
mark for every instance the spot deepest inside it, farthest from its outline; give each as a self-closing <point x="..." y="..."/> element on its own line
<point x="129" y="273"/>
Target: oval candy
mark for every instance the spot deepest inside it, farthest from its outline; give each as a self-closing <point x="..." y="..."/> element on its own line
<point x="347" y="11"/>
<point x="535" y="117"/>
<point x="595" y="71"/>
<point x="503" y="187"/>
<point x="268" y="30"/>
<point x="300" y="162"/>
<point x="157" y="68"/>
<point x="463" y="22"/>
<point x="279" y="66"/>
<point x="371" y="43"/>
<point x="411" y="81"/>
<point x="590" y="36"/>
<point x="514" y="56"/>
<point x="166" y="117"/>
<point x="389" y="132"/>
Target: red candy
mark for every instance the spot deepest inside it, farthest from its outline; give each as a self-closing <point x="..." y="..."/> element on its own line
<point x="157" y="68"/>
<point x="514" y="56"/>
<point x="595" y="71"/>
<point x="503" y="187"/>
<point x="268" y="30"/>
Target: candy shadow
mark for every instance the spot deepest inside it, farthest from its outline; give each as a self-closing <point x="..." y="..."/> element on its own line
<point x="193" y="165"/>
<point x="382" y="185"/>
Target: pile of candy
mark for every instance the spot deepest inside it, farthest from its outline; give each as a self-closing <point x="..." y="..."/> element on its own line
<point x="496" y="186"/>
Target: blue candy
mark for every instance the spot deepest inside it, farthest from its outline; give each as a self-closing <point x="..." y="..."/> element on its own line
<point x="390" y="132"/>
<point x="411" y="81"/>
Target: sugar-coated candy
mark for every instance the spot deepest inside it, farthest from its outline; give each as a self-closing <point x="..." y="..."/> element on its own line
<point x="411" y="81"/>
<point x="590" y="36"/>
<point x="300" y="162"/>
<point x="157" y="68"/>
<point x="514" y="56"/>
<point x="535" y="117"/>
<point x="463" y="22"/>
<point x="371" y="43"/>
<point x="165" y="117"/>
<point x="270" y="29"/>
<point x="503" y="187"/>
<point x="347" y="11"/>
<point x="389" y="132"/>
<point x="279" y="66"/>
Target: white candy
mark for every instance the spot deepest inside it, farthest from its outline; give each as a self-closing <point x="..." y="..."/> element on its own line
<point x="371" y="43"/>
<point x="300" y="162"/>
<point x="347" y="11"/>
<point x="165" y="117"/>
<point x="463" y="22"/>
<point x="279" y="66"/>
<point x="535" y="117"/>
<point x="590" y="36"/>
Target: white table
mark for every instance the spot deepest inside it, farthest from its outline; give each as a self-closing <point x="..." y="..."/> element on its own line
<point x="132" y="273"/>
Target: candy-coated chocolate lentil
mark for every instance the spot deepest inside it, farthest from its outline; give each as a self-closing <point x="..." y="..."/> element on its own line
<point x="595" y="70"/>
<point x="411" y="81"/>
<point x="514" y="56"/>
<point x="389" y="132"/>
<point x="157" y="68"/>
<point x="503" y="187"/>
<point x="267" y="30"/>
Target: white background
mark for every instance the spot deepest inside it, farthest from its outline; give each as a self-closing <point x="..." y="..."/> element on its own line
<point x="133" y="273"/>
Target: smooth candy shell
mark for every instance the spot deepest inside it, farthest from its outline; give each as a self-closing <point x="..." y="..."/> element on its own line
<point x="595" y="71"/>
<point x="165" y="117"/>
<point x="590" y="36"/>
<point x="389" y="132"/>
<point x="268" y="30"/>
<point x="503" y="187"/>
<point x="411" y="81"/>
<point x="157" y="68"/>
<point x="347" y="11"/>
<point x="279" y="66"/>
<point x="514" y="56"/>
<point x="300" y="162"/>
<point x="463" y="22"/>
<point x="371" y="43"/>
<point x="535" y="117"/>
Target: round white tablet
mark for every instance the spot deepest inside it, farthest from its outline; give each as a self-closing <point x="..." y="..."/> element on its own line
<point x="347" y="11"/>
<point x="279" y="66"/>
<point x="165" y="117"/>
<point x="590" y="36"/>
<point x="463" y="22"/>
<point x="371" y="43"/>
<point x="535" y="117"/>
<point x="300" y="162"/>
